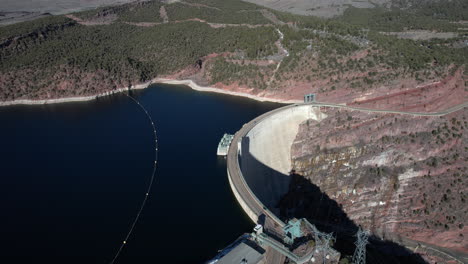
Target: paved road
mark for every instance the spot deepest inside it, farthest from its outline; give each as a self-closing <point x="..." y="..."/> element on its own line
<point x="441" y="113"/>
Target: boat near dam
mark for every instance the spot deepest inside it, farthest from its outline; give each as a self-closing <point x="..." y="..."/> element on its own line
<point x="223" y="146"/>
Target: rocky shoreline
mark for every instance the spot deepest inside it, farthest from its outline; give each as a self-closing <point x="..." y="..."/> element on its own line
<point x="145" y="85"/>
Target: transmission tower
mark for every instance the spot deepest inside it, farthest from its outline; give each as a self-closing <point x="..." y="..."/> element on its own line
<point x="359" y="256"/>
<point x="322" y="243"/>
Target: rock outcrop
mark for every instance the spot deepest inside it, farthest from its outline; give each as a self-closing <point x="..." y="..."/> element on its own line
<point x="400" y="176"/>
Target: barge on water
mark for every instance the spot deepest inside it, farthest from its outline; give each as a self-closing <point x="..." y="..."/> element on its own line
<point x="223" y="146"/>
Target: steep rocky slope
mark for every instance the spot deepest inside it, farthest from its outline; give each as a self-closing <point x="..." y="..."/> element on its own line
<point x="402" y="177"/>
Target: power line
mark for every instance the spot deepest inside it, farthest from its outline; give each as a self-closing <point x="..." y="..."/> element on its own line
<point x="148" y="190"/>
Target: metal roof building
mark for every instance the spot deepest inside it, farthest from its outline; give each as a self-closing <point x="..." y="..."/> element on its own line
<point x="242" y="254"/>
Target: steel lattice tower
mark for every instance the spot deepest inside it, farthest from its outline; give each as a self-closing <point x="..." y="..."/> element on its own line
<point x="359" y="256"/>
<point x="322" y="243"/>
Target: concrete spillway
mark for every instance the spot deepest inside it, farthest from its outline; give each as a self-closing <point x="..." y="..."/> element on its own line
<point x="259" y="159"/>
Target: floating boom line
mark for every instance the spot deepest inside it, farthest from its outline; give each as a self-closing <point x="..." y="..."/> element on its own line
<point x="148" y="190"/>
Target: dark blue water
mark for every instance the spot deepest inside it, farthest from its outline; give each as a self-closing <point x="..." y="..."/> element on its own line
<point x="73" y="177"/>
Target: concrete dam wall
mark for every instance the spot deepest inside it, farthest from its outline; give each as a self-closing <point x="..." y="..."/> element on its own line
<point x="264" y="151"/>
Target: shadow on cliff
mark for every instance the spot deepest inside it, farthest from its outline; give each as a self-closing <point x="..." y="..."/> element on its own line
<point x="305" y="200"/>
<point x="293" y="196"/>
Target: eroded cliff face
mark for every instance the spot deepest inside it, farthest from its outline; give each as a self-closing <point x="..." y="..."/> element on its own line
<point x="397" y="175"/>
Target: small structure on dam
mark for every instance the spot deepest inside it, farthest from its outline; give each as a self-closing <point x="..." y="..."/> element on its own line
<point x="309" y="98"/>
<point x="301" y="242"/>
<point x="223" y="146"/>
<point x="292" y="231"/>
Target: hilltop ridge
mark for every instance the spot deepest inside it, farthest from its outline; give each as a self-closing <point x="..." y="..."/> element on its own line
<point x="234" y="46"/>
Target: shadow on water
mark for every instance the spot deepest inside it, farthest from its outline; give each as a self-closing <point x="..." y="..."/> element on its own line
<point x="306" y="200"/>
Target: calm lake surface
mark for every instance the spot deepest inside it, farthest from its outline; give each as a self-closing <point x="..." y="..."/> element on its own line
<point x="73" y="176"/>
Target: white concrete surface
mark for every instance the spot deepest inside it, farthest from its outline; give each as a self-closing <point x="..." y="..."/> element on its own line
<point x="272" y="138"/>
<point x="265" y="156"/>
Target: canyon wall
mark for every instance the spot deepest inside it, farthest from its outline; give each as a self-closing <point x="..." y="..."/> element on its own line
<point x="400" y="176"/>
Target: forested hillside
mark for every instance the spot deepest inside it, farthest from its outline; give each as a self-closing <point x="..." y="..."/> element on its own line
<point x="408" y="55"/>
<point x="59" y="56"/>
<point x="234" y="45"/>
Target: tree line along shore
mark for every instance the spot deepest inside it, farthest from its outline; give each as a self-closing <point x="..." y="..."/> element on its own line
<point x="122" y="46"/>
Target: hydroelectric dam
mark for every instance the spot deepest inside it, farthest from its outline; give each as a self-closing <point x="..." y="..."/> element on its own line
<point x="259" y="169"/>
<point x="258" y="166"/>
<point x="259" y="159"/>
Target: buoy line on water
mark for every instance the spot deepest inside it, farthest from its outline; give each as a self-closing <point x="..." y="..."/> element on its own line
<point x="148" y="190"/>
